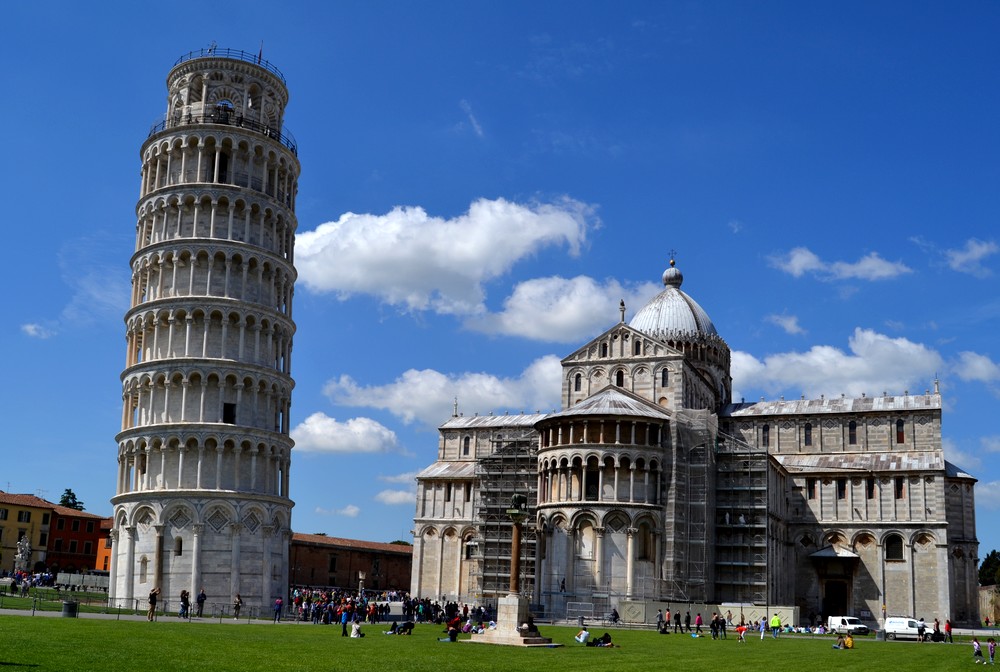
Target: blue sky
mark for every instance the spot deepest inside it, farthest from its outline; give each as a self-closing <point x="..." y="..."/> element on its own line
<point x="482" y="182"/>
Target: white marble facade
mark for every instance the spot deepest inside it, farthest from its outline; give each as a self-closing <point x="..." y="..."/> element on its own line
<point x="202" y="497"/>
<point x="859" y="508"/>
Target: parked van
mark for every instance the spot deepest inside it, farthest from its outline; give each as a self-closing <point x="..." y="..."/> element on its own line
<point x="898" y="627"/>
<point x="846" y="624"/>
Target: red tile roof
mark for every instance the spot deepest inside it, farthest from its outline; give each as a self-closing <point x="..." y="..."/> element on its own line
<point x="323" y="540"/>
<point x="24" y="500"/>
<point x="74" y="513"/>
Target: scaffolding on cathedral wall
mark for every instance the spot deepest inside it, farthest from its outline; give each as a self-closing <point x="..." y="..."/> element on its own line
<point x="741" y="544"/>
<point x="511" y="467"/>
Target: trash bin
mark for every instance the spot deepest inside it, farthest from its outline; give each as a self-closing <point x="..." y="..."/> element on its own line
<point x="580" y="621"/>
<point x="70" y="609"/>
<point x="880" y="635"/>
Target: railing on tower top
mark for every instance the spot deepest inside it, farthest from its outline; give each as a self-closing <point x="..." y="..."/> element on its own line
<point x="228" y="117"/>
<point x="236" y="54"/>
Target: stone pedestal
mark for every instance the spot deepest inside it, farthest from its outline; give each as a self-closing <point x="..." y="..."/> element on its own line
<point x="512" y="613"/>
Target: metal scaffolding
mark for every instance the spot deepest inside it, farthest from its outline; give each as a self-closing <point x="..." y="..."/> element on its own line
<point x="511" y="467"/>
<point x="741" y="521"/>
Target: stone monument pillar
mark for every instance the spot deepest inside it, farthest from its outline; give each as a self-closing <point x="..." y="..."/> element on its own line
<point x="515" y="626"/>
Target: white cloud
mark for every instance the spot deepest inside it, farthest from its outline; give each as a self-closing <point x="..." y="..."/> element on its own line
<point x="972" y="366"/>
<point x="100" y="284"/>
<point x="410" y="259"/>
<point x="320" y="433"/>
<point x="963" y="458"/>
<point x="801" y="260"/>
<point x="562" y="310"/>
<point x="874" y="364"/>
<point x="407" y="477"/>
<point x="790" y="323"/>
<point x="428" y="396"/>
<point x="393" y="497"/>
<point x="37" y="331"/>
<point x="969" y="259"/>
<point x="990" y="443"/>
<point x="735" y="225"/>
<point x="988" y="495"/>
<point x="464" y="104"/>
<point x="349" y="511"/>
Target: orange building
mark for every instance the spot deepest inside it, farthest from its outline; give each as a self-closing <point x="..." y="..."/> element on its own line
<point x="74" y="539"/>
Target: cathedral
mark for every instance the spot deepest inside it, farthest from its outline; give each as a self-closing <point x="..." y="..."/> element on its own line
<point x="651" y="486"/>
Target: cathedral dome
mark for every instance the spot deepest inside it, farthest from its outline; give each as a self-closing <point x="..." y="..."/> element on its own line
<point x="672" y="313"/>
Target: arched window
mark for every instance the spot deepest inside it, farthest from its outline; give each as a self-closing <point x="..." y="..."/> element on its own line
<point x="577" y="382"/>
<point x="900" y="434"/>
<point x="644" y="546"/>
<point x="894" y="547"/>
<point x="765" y="436"/>
<point x="664" y="377"/>
<point x="637" y="347"/>
<point x="143" y="569"/>
<point x="178" y="546"/>
<point x="620" y="379"/>
<point x="604" y="349"/>
<point x="465" y="445"/>
<point x="852" y="433"/>
<point x="808" y="439"/>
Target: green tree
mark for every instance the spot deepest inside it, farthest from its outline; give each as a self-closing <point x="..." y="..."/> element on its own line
<point x="70" y="501"/>
<point x="989" y="569"/>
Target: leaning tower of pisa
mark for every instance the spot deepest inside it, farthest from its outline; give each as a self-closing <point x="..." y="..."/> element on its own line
<point x="202" y="497"/>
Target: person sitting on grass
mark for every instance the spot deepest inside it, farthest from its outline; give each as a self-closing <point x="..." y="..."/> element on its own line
<point x="393" y="629"/>
<point x="603" y="641"/>
<point x="452" y="635"/>
<point x="840" y="643"/>
<point x="849" y="641"/>
<point x="583" y="636"/>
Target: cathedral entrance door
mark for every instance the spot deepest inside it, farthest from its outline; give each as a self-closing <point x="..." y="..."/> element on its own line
<point x="835" y="598"/>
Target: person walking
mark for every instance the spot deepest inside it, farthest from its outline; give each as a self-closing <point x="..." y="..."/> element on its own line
<point x="154" y="594"/>
<point x="775" y="626"/>
<point x="659" y="621"/>
<point x="947" y="631"/>
<point x="277" y="610"/>
<point x="237" y="605"/>
<point x="185" y="610"/>
<point x="201" y="601"/>
<point x="677" y="622"/>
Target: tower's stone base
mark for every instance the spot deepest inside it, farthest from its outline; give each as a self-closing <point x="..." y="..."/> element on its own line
<point x="512" y="614"/>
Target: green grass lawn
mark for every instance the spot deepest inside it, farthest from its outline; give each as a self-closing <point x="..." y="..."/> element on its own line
<point x="74" y="645"/>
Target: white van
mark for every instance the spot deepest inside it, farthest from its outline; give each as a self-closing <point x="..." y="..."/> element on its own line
<point x="846" y="624"/>
<point x="898" y="627"/>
